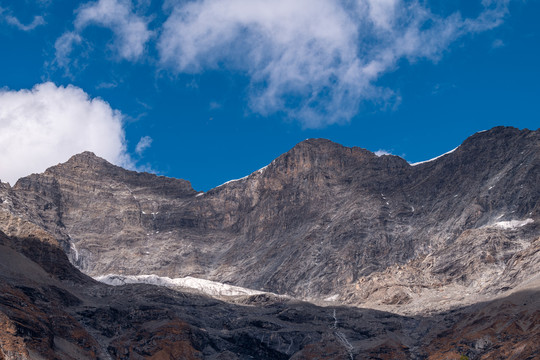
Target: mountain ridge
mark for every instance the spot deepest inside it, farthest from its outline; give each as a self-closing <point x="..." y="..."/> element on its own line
<point x="318" y="218"/>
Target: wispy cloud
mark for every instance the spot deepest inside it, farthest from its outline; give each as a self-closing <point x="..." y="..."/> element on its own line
<point x="46" y="125"/>
<point x="64" y="46"/>
<point x="107" y="85"/>
<point x="315" y="60"/>
<point x="498" y="43"/>
<point x="130" y="30"/>
<point x="5" y="15"/>
<point x="382" y="152"/>
<point x="144" y="143"/>
<point x="214" y="105"/>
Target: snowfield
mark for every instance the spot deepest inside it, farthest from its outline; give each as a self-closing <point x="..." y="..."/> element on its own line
<point x="435" y="158"/>
<point x="212" y="288"/>
<point x="512" y="224"/>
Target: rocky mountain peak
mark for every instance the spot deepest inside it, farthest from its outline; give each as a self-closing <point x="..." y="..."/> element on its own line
<point x="333" y="159"/>
<point x="497" y="145"/>
<point x="85" y="164"/>
<point x="87" y="167"/>
<point x="319" y="150"/>
<point x="87" y="158"/>
<point x="498" y="134"/>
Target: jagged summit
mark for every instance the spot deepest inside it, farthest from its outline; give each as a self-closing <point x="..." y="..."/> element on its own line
<point x="88" y="167"/>
<point x="85" y="156"/>
<point x="500" y="143"/>
<point x="86" y="162"/>
<point x="324" y="154"/>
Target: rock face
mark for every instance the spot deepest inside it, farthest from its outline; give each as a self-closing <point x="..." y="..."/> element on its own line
<point x="320" y="221"/>
<point x="445" y="254"/>
<point x="50" y="310"/>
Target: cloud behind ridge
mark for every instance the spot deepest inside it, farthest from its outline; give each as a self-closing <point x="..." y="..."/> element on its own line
<point x="48" y="124"/>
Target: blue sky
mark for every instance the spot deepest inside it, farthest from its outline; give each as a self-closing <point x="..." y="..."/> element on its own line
<point x="210" y="90"/>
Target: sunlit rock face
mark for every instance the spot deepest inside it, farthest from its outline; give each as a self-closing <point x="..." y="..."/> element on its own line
<point x="445" y="254"/>
<point x="321" y="221"/>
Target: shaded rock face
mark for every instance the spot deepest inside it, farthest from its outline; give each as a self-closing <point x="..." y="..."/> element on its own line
<point x="51" y="314"/>
<point x="46" y="314"/>
<point x="319" y="221"/>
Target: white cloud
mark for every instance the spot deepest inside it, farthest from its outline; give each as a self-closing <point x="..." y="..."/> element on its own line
<point x="497" y="43"/>
<point x="382" y="12"/>
<point x="47" y="124"/>
<point x="12" y="20"/>
<point x="63" y="47"/>
<point x="130" y="30"/>
<point x="214" y="105"/>
<point x="143" y="144"/>
<point x="315" y="60"/>
<point x="382" y="152"/>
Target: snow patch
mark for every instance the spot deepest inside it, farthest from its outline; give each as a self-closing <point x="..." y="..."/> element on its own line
<point x="435" y="158"/>
<point x="260" y="171"/>
<point x="332" y="298"/>
<point x="75" y="251"/>
<point x="208" y="287"/>
<point x="233" y="180"/>
<point x="512" y="224"/>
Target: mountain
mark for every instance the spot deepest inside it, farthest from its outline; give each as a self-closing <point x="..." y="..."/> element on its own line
<point x="445" y="253"/>
<point x="319" y="221"/>
<point x="50" y="310"/>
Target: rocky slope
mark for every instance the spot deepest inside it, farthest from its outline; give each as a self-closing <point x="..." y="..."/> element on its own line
<point x="49" y="310"/>
<point x="322" y="221"/>
<point x="446" y="254"/>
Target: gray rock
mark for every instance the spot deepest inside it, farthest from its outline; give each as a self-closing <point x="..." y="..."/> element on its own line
<point x="445" y="253"/>
<point x="317" y="222"/>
